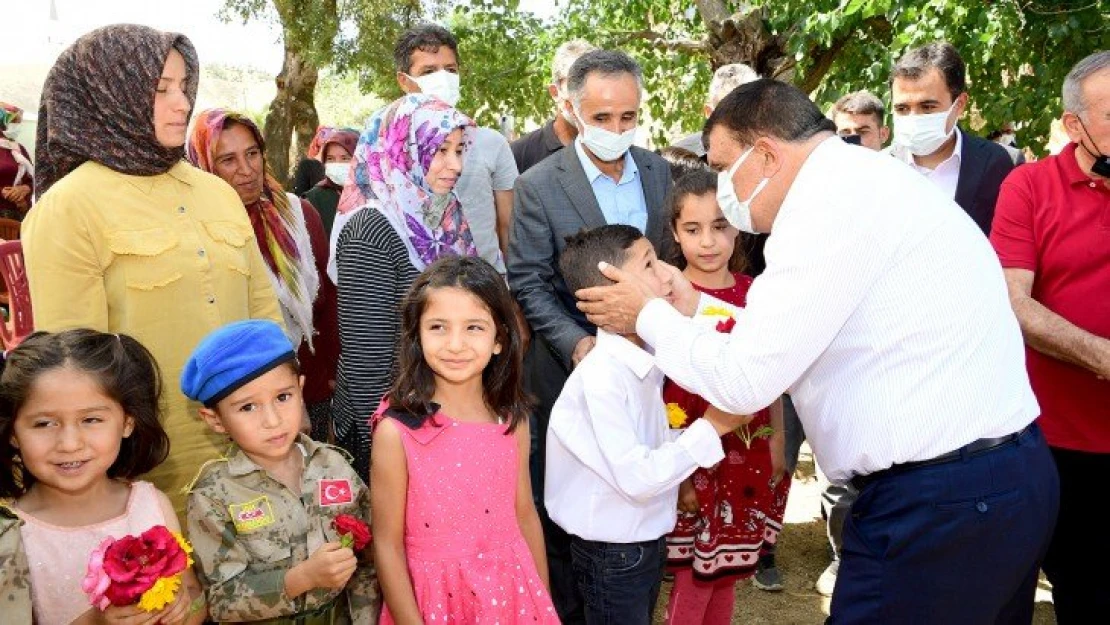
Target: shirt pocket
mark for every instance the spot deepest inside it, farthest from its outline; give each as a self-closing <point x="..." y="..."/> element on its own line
<point x="267" y="547"/>
<point x="231" y="248"/>
<point x="145" y="258"/>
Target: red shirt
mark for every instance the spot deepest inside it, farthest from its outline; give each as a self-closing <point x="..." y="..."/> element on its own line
<point x="1054" y="220"/>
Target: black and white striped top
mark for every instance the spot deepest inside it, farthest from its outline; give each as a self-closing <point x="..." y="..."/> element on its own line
<point x="374" y="274"/>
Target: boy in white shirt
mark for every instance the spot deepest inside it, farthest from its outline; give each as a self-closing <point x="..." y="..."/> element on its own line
<point x="613" y="466"/>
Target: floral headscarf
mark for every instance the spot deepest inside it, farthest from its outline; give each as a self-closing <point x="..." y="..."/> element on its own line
<point x="388" y="172"/>
<point x="98" y="104"/>
<point x="316" y="146"/>
<point x="290" y="260"/>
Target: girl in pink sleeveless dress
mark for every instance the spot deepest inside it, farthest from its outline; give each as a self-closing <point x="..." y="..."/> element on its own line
<point x="78" y="422"/>
<point x="456" y="535"/>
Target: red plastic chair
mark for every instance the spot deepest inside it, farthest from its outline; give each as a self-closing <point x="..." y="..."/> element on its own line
<point x="20" y="323"/>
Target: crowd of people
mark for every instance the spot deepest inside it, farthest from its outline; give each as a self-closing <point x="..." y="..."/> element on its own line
<point x="547" y="374"/>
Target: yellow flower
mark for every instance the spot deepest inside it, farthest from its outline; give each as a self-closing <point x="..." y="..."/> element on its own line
<point x="185" y="546"/>
<point x="161" y="594"/>
<point x="716" y="311"/>
<point x="676" y="416"/>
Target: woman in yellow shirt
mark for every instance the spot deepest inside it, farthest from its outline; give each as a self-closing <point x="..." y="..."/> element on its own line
<point x="126" y="237"/>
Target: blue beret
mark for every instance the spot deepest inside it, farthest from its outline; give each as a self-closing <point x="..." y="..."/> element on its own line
<point x="232" y="356"/>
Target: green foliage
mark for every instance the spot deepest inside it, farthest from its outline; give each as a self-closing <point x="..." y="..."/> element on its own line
<point x="341" y="103"/>
<point x="1017" y="51"/>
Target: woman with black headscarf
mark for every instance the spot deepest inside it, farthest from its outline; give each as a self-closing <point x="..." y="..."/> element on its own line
<point x="126" y="236"/>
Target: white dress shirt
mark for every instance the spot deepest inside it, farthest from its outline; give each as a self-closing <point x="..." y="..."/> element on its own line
<point x="882" y="310"/>
<point x="947" y="173"/>
<point x="613" y="470"/>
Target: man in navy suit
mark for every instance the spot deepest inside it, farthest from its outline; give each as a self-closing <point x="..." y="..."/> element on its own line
<point x="929" y="94"/>
<point x="600" y="178"/>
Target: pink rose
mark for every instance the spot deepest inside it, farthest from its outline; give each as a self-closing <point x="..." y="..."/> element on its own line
<point x="96" y="580"/>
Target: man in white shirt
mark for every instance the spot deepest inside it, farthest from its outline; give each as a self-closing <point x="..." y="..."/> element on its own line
<point x="929" y="94"/>
<point x="885" y="314"/>
<point x="612" y="469"/>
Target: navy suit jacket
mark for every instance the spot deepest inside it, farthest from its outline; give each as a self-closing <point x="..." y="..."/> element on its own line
<point x="983" y="166"/>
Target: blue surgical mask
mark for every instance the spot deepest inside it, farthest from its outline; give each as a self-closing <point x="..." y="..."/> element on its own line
<point x="738" y="213"/>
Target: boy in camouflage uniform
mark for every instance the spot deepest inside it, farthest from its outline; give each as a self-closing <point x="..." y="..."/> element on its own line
<point x="260" y="520"/>
<point x="15" y="577"/>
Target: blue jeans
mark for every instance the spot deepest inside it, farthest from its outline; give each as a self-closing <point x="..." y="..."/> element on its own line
<point x="619" y="581"/>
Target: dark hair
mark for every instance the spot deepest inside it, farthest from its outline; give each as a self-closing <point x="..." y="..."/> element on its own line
<point x="682" y="161"/>
<point x="861" y="103"/>
<point x="502" y="380"/>
<point x="609" y="243"/>
<point x="309" y="171"/>
<point x="767" y="107"/>
<point x="603" y="63"/>
<point x="125" y="371"/>
<point x="697" y="183"/>
<point x="940" y="55"/>
<point x="427" y="37"/>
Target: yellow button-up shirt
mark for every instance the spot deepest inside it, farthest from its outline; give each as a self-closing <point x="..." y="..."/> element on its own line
<point x="165" y="259"/>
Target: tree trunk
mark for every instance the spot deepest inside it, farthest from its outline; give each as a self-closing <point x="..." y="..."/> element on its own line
<point x="292" y="115"/>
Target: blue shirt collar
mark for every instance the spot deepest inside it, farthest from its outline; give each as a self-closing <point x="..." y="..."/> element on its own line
<point x="592" y="172"/>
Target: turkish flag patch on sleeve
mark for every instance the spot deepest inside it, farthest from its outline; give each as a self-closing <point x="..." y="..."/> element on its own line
<point x="335" y="492"/>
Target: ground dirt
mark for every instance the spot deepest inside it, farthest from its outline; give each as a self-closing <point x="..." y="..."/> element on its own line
<point x="802" y="557"/>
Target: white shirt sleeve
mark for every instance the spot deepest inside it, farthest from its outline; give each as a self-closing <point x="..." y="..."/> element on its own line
<point x="629" y="466"/>
<point x="794" y="311"/>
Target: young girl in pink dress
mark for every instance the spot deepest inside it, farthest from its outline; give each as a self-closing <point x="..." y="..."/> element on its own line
<point x="732" y="512"/>
<point x="456" y="535"/>
<point x="78" y="422"/>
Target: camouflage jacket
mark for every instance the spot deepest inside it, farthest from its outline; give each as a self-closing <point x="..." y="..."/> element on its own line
<point x="15" y="576"/>
<point x="248" y="530"/>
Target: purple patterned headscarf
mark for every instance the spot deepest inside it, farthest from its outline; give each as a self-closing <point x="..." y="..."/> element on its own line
<point x="388" y="171"/>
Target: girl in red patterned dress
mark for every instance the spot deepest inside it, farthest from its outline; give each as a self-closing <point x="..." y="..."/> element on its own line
<point x="731" y="513"/>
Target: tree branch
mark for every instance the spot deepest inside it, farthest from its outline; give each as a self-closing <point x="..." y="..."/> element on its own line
<point x="657" y="40"/>
<point x="823" y="57"/>
<point x="713" y="12"/>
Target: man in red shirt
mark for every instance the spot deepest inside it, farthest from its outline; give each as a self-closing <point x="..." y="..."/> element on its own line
<point x="1052" y="233"/>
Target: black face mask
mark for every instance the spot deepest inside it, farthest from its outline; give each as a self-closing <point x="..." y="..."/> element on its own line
<point x="1102" y="162"/>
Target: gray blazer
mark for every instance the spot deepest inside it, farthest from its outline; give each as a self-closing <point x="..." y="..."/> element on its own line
<point x="551" y="201"/>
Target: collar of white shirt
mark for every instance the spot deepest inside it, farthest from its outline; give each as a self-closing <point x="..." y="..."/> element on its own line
<point x="592" y="172"/>
<point x="638" y="360"/>
<point x="903" y="154"/>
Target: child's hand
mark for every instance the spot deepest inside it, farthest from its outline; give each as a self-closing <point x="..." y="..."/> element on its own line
<point x="330" y="566"/>
<point x="125" y="615"/>
<point x="725" y="422"/>
<point x="687" y="497"/>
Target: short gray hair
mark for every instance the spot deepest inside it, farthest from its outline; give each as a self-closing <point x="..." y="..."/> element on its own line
<point x="566" y="55"/>
<point x="605" y="63"/>
<point x="860" y="103"/>
<point x="1073" y="84"/>
<point x="727" y="78"/>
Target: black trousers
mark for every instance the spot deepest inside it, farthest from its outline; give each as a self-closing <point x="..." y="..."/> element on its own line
<point x="1080" y="550"/>
<point x="544" y="377"/>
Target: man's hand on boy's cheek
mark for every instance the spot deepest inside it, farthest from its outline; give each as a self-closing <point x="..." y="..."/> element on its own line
<point x="615" y="307"/>
<point x="684" y="297"/>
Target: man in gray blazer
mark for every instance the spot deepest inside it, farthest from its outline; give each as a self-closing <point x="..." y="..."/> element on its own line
<point x="599" y="179"/>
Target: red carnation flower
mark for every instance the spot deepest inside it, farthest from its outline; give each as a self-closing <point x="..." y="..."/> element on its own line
<point x="726" y="325"/>
<point x="352" y="531"/>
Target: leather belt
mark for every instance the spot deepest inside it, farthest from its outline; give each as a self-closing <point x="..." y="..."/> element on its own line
<point x="973" y="448"/>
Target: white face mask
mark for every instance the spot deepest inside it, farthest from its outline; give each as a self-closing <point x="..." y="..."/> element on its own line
<point x="738" y="213"/>
<point x="442" y="84"/>
<point x="923" y="134"/>
<point x="12" y="130"/>
<point x="605" y="144"/>
<point x="337" y="172"/>
<point x="1007" y="139"/>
